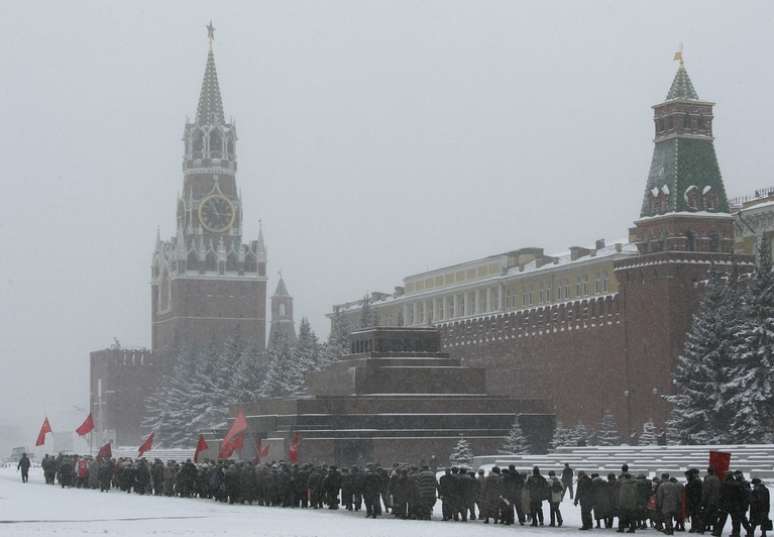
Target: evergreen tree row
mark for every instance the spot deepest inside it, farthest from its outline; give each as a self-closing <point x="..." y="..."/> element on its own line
<point x="200" y="384"/>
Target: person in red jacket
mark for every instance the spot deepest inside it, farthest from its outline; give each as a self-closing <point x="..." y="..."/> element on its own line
<point x="83" y="472"/>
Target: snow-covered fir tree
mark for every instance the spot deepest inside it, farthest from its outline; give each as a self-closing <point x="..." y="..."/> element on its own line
<point x="562" y="437"/>
<point x="278" y="358"/>
<point x="702" y="368"/>
<point x="249" y="372"/>
<point x="288" y="365"/>
<point x="462" y="454"/>
<point x="579" y="435"/>
<point x="649" y="434"/>
<point x="607" y="432"/>
<point x="748" y="387"/>
<point x="516" y="441"/>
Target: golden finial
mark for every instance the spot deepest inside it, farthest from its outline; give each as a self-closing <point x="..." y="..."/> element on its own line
<point x="210" y="32"/>
<point x="679" y="55"/>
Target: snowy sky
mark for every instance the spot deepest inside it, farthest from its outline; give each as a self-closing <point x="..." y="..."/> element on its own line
<point x="377" y="139"/>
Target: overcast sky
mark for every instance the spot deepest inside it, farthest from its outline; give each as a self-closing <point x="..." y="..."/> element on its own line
<point x="377" y="139"/>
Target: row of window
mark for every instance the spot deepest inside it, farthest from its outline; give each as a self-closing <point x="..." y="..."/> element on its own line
<point x="475" y="302"/>
<point x="487" y="300"/>
<point x="451" y="278"/>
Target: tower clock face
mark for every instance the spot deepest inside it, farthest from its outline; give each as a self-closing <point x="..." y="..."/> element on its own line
<point x="216" y="213"/>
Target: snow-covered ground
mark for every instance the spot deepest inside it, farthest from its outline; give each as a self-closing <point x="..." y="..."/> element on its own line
<point x="37" y="509"/>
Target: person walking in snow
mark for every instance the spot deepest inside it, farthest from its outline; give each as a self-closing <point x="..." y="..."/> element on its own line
<point x="567" y="475"/>
<point x="759" y="507"/>
<point x="24" y="466"/>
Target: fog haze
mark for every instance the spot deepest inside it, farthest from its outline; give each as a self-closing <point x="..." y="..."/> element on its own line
<point x="376" y="140"/>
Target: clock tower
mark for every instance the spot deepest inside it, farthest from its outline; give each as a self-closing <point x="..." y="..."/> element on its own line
<point x="207" y="282"/>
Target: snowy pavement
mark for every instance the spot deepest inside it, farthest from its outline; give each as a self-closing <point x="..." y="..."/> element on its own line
<point x="37" y="509"/>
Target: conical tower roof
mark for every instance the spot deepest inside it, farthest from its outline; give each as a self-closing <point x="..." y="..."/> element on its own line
<point x="282" y="289"/>
<point x="682" y="87"/>
<point x="210" y="109"/>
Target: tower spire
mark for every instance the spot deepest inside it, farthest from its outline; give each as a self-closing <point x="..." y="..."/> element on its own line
<point x="210" y="109"/>
<point x="682" y="87"/>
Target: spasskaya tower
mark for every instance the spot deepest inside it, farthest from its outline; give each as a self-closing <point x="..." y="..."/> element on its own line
<point x="207" y="282"/>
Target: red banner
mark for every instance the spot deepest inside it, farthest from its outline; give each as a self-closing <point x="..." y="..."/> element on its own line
<point x="146" y="446"/>
<point x="720" y="462"/>
<point x="86" y="427"/>
<point x="234" y="438"/>
<point x="44" y="429"/>
<point x="201" y="445"/>
<point x="105" y="452"/>
<point x="293" y="450"/>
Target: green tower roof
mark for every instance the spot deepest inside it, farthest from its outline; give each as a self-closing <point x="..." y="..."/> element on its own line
<point x="684" y="173"/>
<point x="682" y="87"/>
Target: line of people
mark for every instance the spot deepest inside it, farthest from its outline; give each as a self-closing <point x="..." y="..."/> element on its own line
<point x="503" y="496"/>
<point x="666" y="504"/>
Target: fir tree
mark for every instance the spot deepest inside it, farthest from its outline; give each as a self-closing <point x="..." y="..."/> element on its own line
<point x="562" y="436"/>
<point x="462" y="454"/>
<point x="748" y="390"/>
<point x="607" y="432"/>
<point x="516" y="441"/>
<point x="279" y="355"/>
<point x="579" y="435"/>
<point x="249" y="373"/>
<point x="698" y="405"/>
<point x="649" y="434"/>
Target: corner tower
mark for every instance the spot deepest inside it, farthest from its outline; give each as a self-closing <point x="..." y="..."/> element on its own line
<point x="207" y="281"/>
<point x="684" y="231"/>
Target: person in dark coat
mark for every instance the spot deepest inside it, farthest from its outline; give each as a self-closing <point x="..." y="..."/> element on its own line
<point x="567" y="474"/>
<point x="491" y="496"/>
<point x="693" y="490"/>
<point x="734" y="503"/>
<point x="24" y="466"/>
<point x="372" y="485"/>
<point x="612" y="490"/>
<point x="710" y="500"/>
<point x="157" y="477"/>
<point x="426" y="487"/>
<point x="601" y="500"/>
<point x="759" y="507"/>
<point x="628" y="503"/>
<point x="538" y="492"/>
<point x="511" y="493"/>
<point x="446" y="493"/>
<point x="331" y="486"/>
<point x="142" y="477"/>
<point x="585" y="497"/>
<point x="105" y="474"/>
<point x="668" y="502"/>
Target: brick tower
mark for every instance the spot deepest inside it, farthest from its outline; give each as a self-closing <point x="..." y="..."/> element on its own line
<point x="282" y="313"/>
<point x="684" y="230"/>
<point x="206" y="281"/>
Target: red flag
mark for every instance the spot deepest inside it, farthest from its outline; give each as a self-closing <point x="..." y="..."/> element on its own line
<point x="86" y="427"/>
<point x="234" y="438"/>
<point x="720" y="462"/>
<point x="201" y="445"/>
<point x="105" y="452"/>
<point x="45" y="428"/>
<point x="261" y="451"/>
<point x="146" y="446"/>
<point x="293" y="450"/>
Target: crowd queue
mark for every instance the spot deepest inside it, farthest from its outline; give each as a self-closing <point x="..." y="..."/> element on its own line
<point x="503" y="496"/>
